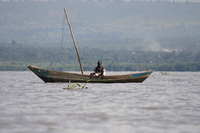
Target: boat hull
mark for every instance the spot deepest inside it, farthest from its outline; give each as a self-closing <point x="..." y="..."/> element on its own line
<point x="51" y="76"/>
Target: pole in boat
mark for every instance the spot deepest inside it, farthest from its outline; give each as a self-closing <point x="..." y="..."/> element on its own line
<point x="74" y="41"/>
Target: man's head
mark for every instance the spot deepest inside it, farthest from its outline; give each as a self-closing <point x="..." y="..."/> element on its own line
<point x="99" y="63"/>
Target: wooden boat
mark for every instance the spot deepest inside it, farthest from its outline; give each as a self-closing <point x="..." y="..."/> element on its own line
<point x="58" y="76"/>
<point x="52" y="76"/>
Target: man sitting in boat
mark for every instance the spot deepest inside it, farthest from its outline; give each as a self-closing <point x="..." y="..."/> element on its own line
<point x="99" y="70"/>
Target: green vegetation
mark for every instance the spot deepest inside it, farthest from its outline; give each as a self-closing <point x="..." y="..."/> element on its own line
<point x="164" y="73"/>
<point x="76" y="86"/>
<point x="15" y="57"/>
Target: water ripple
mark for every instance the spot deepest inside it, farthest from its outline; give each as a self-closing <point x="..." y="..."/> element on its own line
<point x="163" y="103"/>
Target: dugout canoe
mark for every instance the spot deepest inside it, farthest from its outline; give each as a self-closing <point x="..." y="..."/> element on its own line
<point x="51" y="76"/>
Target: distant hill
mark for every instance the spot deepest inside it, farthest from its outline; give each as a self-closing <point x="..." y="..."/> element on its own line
<point x="130" y="25"/>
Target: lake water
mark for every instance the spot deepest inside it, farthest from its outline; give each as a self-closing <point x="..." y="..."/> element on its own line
<point x="162" y="104"/>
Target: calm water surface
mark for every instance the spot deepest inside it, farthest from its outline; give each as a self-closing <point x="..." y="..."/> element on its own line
<point x="161" y="104"/>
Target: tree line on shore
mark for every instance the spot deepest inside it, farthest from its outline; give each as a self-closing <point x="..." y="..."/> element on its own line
<point x="14" y="57"/>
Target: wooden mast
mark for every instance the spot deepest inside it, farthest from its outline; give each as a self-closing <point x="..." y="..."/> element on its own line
<point x="74" y="41"/>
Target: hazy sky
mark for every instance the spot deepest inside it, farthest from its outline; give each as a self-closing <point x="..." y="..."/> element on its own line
<point x="182" y="0"/>
<point x="187" y="0"/>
